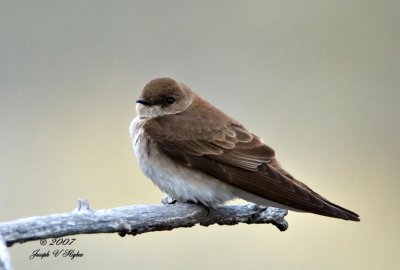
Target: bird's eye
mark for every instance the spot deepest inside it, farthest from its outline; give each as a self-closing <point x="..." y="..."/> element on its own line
<point x="169" y="100"/>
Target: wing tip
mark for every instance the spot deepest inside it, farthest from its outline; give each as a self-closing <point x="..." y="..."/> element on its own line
<point x="353" y="216"/>
<point x="343" y="213"/>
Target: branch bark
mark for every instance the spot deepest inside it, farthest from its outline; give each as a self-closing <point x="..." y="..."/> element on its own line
<point x="136" y="220"/>
<point x="131" y="220"/>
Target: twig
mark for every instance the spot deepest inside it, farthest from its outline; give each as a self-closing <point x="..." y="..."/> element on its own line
<point x="136" y="220"/>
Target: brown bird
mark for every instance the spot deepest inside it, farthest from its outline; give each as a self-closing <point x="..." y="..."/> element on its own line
<point x="195" y="152"/>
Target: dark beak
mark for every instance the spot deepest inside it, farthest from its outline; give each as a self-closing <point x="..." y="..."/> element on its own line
<point x="144" y="102"/>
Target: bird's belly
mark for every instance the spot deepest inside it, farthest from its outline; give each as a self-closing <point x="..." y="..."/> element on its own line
<point x="183" y="183"/>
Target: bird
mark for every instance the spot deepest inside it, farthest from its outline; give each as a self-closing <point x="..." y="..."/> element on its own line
<point x="196" y="153"/>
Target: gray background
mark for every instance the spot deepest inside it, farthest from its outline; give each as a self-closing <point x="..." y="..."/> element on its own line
<point x="317" y="80"/>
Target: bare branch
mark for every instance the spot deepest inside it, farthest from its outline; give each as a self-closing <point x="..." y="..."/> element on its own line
<point x="136" y="220"/>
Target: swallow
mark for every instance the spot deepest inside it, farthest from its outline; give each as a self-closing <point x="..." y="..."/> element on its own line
<point x="195" y="152"/>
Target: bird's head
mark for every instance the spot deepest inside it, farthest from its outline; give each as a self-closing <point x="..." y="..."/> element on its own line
<point x="163" y="96"/>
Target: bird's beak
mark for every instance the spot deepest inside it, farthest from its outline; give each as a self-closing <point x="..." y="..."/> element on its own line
<point x="144" y="102"/>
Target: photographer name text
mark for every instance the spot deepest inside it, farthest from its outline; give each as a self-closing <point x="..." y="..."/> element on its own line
<point x="59" y="252"/>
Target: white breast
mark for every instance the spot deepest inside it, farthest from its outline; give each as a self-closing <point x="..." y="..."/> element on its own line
<point x="181" y="182"/>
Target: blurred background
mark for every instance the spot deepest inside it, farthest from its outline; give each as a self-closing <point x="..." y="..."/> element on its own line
<point x="317" y="80"/>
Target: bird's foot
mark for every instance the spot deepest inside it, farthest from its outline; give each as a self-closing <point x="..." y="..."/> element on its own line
<point x="168" y="199"/>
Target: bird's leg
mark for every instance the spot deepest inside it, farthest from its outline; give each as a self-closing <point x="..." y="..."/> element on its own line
<point x="208" y="208"/>
<point x="168" y="199"/>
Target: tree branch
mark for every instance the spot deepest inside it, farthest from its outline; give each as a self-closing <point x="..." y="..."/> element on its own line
<point x="136" y="220"/>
